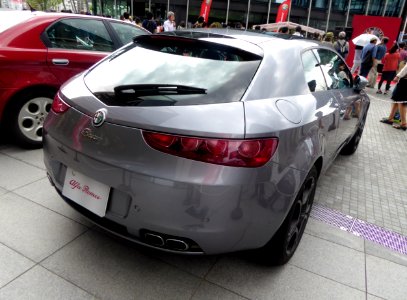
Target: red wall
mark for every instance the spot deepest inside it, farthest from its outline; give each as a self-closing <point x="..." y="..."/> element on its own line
<point x="389" y="26"/>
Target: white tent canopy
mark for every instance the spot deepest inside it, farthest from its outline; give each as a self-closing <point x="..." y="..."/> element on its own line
<point x="290" y="25"/>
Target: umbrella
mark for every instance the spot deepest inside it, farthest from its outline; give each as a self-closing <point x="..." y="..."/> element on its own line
<point x="364" y="39"/>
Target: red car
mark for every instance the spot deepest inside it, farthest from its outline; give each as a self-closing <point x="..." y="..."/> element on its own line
<point x="42" y="52"/>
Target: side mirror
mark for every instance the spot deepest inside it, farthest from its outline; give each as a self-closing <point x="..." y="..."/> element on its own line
<point x="360" y="83"/>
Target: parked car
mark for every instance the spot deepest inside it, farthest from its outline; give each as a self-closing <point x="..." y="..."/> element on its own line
<point x="39" y="52"/>
<point x="204" y="142"/>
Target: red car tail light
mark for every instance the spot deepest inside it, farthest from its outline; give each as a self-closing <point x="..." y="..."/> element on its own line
<point x="58" y="105"/>
<point x="234" y="153"/>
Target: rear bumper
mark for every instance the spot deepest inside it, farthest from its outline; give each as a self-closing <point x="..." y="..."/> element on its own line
<point x="215" y="218"/>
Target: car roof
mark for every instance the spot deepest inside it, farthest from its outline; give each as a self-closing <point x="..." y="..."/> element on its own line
<point x="9" y="18"/>
<point x="266" y="42"/>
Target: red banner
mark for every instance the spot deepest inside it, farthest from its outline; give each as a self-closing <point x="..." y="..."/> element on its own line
<point x="379" y="26"/>
<point x="283" y="11"/>
<point x="205" y="9"/>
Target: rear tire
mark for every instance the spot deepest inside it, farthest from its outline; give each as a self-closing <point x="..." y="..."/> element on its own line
<point x="26" y="115"/>
<point x="283" y="244"/>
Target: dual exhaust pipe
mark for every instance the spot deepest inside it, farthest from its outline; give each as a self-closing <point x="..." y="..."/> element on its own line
<point x="157" y="240"/>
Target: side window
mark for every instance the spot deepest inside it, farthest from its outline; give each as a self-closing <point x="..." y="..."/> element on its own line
<point x="313" y="74"/>
<point x="80" y="34"/>
<point x="126" y="32"/>
<point x="336" y="72"/>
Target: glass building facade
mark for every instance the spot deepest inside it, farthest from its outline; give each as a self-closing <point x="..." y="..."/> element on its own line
<point x="188" y="10"/>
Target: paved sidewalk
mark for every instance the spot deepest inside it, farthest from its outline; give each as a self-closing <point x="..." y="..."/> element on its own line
<point x="48" y="251"/>
<point x="371" y="184"/>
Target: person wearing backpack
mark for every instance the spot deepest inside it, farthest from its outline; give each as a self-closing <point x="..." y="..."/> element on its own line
<point x="341" y="45"/>
<point x="367" y="57"/>
<point x="149" y="23"/>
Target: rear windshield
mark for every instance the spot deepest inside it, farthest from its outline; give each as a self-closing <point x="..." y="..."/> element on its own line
<point x="163" y="70"/>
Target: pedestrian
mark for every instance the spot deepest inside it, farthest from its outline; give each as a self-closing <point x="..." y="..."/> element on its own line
<point x="403" y="55"/>
<point x="149" y="23"/>
<point x="126" y="17"/>
<point x="390" y="64"/>
<point x="215" y="25"/>
<point x="341" y="45"/>
<point x="199" y="23"/>
<point x="283" y="30"/>
<point x="328" y="39"/>
<point x="357" y="60"/>
<point x="160" y="27"/>
<point x="400" y="97"/>
<point x="137" y="21"/>
<point x="378" y="53"/>
<point x="169" y="25"/>
<point x="181" y="25"/>
<point x="298" y="31"/>
<point x="367" y="57"/>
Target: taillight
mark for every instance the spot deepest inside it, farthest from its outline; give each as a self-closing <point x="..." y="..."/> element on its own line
<point x="58" y="105"/>
<point x="234" y="153"/>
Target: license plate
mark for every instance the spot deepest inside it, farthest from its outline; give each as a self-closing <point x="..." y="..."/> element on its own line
<point x="87" y="192"/>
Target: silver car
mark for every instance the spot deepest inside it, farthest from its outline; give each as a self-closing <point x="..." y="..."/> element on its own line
<point x="204" y="142"/>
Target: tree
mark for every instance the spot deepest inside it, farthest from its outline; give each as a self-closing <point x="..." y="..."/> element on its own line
<point x="44" y="5"/>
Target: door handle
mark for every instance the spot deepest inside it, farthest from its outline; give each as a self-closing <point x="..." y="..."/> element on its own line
<point x="60" y="61"/>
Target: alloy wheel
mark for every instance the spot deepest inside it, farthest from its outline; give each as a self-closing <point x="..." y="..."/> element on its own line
<point x="31" y="117"/>
<point x="300" y="215"/>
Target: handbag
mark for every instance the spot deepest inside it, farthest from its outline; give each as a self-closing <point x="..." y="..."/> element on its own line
<point x="380" y="68"/>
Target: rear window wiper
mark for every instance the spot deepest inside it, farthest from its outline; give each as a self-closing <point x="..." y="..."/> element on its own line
<point x="124" y="92"/>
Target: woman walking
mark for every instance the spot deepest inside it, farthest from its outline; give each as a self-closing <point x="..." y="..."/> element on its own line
<point x="390" y="64"/>
<point x="400" y="97"/>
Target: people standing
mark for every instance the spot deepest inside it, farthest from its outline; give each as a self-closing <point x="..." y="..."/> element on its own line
<point x="126" y="17"/>
<point x="357" y="60"/>
<point x="400" y="98"/>
<point x="298" y="30"/>
<point x="367" y="57"/>
<point x="341" y="45"/>
<point x="199" y="23"/>
<point x="378" y="53"/>
<point x="390" y="64"/>
<point x="169" y="25"/>
<point x="149" y="23"/>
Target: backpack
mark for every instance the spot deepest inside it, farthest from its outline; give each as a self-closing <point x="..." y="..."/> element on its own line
<point x="342" y="49"/>
<point x="151" y="26"/>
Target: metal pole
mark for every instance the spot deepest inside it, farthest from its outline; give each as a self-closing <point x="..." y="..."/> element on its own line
<point x="248" y="13"/>
<point x="309" y="14"/>
<point x="329" y="15"/>
<point x="186" y="22"/>
<point x="168" y="6"/>
<point x="289" y="12"/>
<point x="268" y="12"/>
<point x="385" y="8"/>
<point x="114" y="8"/>
<point x="347" y="13"/>
<point x="131" y="8"/>
<point x="367" y="7"/>
<point x="405" y="25"/>
<point x="149" y="5"/>
<point x="227" y="13"/>
<point x="402" y="8"/>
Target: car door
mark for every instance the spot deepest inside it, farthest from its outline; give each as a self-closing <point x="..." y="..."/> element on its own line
<point x="326" y="106"/>
<point x="75" y="44"/>
<point x="340" y="83"/>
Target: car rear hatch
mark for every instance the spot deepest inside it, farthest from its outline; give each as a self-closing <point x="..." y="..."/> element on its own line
<point x="167" y="84"/>
<point x="171" y="84"/>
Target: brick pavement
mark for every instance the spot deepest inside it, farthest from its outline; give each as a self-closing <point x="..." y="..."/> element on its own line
<point x="371" y="184"/>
